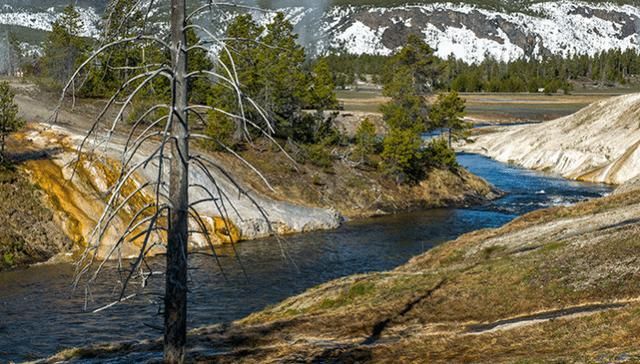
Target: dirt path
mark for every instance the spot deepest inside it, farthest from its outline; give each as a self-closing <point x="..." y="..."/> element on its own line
<point x="540" y="317"/>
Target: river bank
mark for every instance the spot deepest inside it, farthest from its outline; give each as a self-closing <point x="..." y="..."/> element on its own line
<point x="554" y="285"/>
<point x="303" y="197"/>
<point x="599" y="143"/>
<point x="359" y="246"/>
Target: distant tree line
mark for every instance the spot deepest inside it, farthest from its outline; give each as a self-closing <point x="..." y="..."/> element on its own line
<point x="549" y="74"/>
<point x="349" y="68"/>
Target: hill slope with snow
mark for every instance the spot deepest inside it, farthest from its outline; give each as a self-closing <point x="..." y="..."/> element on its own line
<point x="470" y="31"/>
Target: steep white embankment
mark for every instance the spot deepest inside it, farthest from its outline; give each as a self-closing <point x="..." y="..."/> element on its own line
<point x="48" y="154"/>
<point x="599" y="143"/>
<point x="78" y="193"/>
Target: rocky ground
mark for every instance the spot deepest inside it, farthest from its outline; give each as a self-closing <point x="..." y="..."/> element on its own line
<point x="555" y="285"/>
<point x="599" y="143"/>
<point x="29" y="232"/>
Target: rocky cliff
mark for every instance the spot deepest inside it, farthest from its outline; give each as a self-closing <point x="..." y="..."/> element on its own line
<point x="599" y="143"/>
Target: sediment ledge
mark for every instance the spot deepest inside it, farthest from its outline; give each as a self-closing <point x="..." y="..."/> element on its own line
<point x="599" y="143"/>
<point x="76" y="192"/>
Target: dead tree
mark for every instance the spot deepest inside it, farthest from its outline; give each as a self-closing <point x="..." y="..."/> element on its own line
<point x="168" y="220"/>
<point x="175" y="300"/>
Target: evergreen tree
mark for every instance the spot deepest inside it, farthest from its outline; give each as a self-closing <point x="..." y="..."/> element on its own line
<point x="365" y="140"/>
<point x="123" y="19"/>
<point x="200" y="87"/>
<point x="448" y="112"/>
<point x="284" y="82"/>
<point x="415" y="58"/>
<point x="14" y="53"/>
<point x="402" y="156"/>
<point x="9" y="122"/>
<point x="322" y="95"/>
<point x="407" y="112"/>
<point x="242" y="50"/>
<point x="64" y="48"/>
<point x="270" y="66"/>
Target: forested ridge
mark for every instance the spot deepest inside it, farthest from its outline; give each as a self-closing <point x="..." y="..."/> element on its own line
<point x="551" y="73"/>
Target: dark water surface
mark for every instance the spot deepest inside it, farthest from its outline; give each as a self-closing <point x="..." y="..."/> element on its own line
<point x="39" y="315"/>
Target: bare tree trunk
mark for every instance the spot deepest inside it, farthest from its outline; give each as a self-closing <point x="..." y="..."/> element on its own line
<point x="175" y="301"/>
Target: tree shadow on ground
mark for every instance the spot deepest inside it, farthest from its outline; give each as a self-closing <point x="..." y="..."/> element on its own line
<point x="32" y="155"/>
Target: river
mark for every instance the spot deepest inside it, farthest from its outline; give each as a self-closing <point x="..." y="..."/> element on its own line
<point x="39" y="314"/>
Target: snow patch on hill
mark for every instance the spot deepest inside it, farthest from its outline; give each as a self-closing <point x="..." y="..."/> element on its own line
<point x="472" y="34"/>
<point x="465" y="31"/>
<point x="42" y="20"/>
<point x="361" y="39"/>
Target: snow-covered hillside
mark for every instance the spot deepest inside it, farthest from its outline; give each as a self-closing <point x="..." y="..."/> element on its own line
<point x="465" y="31"/>
<point x="472" y="33"/>
<point x="41" y="19"/>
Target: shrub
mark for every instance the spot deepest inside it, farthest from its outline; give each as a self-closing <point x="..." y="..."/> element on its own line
<point x="402" y="156"/>
<point x="223" y="130"/>
<point x="438" y="154"/>
<point x="319" y="156"/>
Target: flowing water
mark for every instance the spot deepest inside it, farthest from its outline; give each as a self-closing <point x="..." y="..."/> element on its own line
<point x="40" y="315"/>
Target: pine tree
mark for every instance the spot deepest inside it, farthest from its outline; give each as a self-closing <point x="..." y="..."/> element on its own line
<point x="448" y="112"/>
<point x="284" y="82"/>
<point x="200" y="88"/>
<point x="270" y="66"/>
<point x="14" y="53"/>
<point x="322" y="95"/>
<point x="407" y="112"/>
<point x="243" y="48"/>
<point x="64" y="47"/>
<point x="365" y="140"/>
<point x="123" y="19"/>
<point x="9" y="122"/>
<point x="416" y="58"/>
<point x="401" y="154"/>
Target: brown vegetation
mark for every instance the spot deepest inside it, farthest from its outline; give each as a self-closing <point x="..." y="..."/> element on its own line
<point x="28" y="232"/>
<point x="355" y="189"/>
